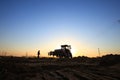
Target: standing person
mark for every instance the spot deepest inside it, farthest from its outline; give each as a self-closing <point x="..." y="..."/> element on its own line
<point x="38" y="53"/>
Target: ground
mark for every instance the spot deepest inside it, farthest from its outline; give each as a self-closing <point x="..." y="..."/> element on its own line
<point x="12" y="68"/>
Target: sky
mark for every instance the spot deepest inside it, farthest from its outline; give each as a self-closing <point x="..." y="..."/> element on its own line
<point x="29" y="25"/>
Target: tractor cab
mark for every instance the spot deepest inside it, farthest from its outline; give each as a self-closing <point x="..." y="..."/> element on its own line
<point x="66" y="50"/>
<point x="66" y="47"/>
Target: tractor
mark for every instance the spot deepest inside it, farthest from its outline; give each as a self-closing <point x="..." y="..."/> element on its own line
<point x="64" y="52"/>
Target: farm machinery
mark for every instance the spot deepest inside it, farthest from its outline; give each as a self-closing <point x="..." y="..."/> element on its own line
<point x="64" y="52"/>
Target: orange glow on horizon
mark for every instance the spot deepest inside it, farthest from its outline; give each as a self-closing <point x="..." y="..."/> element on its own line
<point x="77" y="48"/>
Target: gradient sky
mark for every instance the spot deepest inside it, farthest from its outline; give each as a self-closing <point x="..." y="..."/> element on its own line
<point x="29" y="25"/>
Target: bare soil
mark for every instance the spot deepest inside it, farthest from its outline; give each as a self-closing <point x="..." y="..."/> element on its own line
<point x="55" y="69"/>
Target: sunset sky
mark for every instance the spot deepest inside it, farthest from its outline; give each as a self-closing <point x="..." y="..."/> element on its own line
<point x="29" y="25"/>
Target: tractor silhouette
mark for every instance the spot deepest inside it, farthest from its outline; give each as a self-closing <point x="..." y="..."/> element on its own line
<point x="64" y="52"/>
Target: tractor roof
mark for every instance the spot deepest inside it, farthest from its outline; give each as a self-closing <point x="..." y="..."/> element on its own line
<point x="64" y="45"/>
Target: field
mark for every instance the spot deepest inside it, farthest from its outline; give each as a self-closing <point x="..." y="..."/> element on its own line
<point x="79" y="68"/>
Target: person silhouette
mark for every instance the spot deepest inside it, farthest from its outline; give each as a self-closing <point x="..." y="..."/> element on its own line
<point x="38" y="53"/>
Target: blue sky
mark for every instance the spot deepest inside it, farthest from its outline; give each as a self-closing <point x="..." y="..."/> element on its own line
<point x="29" y="25"/>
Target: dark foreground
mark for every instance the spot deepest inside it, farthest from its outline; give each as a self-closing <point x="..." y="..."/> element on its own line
<point x="12" y="68"/>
